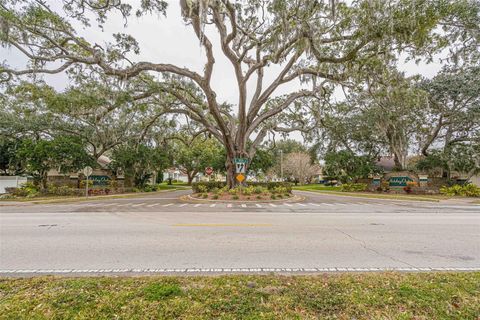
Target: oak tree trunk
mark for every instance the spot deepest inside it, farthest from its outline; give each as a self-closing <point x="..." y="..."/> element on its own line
<point x="230" y="168"/>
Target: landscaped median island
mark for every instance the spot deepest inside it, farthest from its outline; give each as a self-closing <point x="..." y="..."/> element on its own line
<point x="252" y="191"/>
<point x="32" y="192"/>
<point x="333" y="296"/>
<point x="467" y="191"/>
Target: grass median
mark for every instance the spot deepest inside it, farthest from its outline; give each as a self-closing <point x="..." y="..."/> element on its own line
<point x="337" y="191"/>
<point x="335" y="296"/>
<point x="61" y="199"/>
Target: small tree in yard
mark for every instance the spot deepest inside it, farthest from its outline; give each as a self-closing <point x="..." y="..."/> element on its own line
<point x="194" y="156"/>
<point x="346" y="166"/>
<point x="138" y="162"/>
<point x="66" y="154"/>
<point x="299" y="166"/>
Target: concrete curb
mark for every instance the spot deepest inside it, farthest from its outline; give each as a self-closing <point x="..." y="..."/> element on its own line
<point x="368" y="198"/>
<point x="214" y="271"/>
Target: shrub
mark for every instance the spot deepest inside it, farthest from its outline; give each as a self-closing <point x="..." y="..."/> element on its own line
<point x="233" y="191"/>
<point x="235" y="197"/>
<point x="207" y="186"/>
<point x="468" y="190"/>
<point x="279" y="190"/>
<point x="82" y="184"/>
<point x="61" y="191"/>
<point x="272" y="185"/>
<point x="205" y="195"/>
<point x="202" y="189"/>
<point x="259" y="197"/>
<point x="248" y="190"/>
<point x="272" y="196"/>
<point x="384" y="186"/>
<point x="215" y="197"/>
<point x="258" y="189"/>
<point x="210" y="185"/>
<point x="27" y="189"/>
<point x="223" y="190"/>
<point x="471" y="190"/>
<point x="113" y="184"/>
<point x="353" y="187"/>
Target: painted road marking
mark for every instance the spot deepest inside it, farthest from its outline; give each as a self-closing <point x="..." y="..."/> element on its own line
<point x="213" y="205"/>
<point x="258" y="205"/>
<point x="223" y="225"/>
<point x="243" y="205"/>
<point x="137" y="205"/>
<point x="327" y="204"/>
<point x="229" y="205"/>
<point x="197" y="205"/>
<point x="314" y="204"/>
<point x="272" y="205"/>
<point x="168" y="205"/>
<point x="301" y="204"/>
<point x="183" y="205"/>
<point x="287" y="204"/>
<point x="153" y="205"/>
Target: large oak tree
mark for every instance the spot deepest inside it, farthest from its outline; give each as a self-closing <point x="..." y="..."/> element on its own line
<point x="320" y="42"/>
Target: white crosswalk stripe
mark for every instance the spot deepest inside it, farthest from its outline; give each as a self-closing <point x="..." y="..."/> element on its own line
<point x="315" y="204"/>
<point x="301" y="204"/>
<point x="327" y="204"/>
<point x="229" y="205"/>
<point x="197" y="205"/>
<point x="287" y="204"/>
<point x="258" y="205"/>
<point x="244" y="205"/>
<point x="153" y="205"/>
<point x="168" y="205"/>
<point x="183" y="205"/>
<point x="213" y="205"/>
<point x="272" y="205"/>
<point x="138" y="204"/>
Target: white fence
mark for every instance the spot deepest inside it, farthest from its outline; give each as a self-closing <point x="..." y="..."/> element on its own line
<point x="10" y="181"/>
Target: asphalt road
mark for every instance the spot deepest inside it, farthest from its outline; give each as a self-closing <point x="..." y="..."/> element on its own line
<point x="160" y="233"/>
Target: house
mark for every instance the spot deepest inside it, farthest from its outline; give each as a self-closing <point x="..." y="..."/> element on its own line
<point x="178" y="174"/>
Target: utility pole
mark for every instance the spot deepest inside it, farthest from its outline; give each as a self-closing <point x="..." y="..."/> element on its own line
<point x="281" y="165"/>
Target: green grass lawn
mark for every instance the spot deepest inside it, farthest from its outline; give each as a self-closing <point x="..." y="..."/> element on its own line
<point x="164" y="186"/>
<point x="336" y="296"/>
<point x="321" y="187"/>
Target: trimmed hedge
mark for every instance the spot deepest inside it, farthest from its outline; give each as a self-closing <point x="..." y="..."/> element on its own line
<point x="210" y="185"/>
